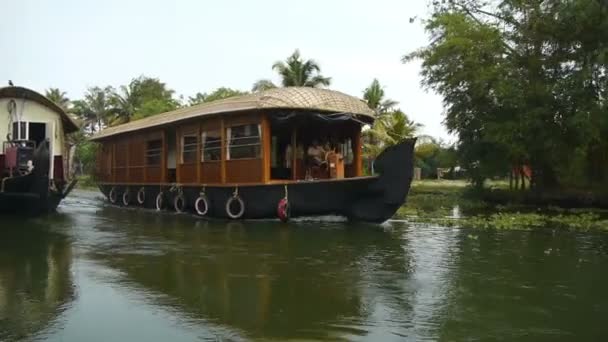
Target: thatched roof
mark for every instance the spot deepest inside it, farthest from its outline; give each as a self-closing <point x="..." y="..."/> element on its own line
<point x="69" y="125"/>
<point x="295" y="98"/>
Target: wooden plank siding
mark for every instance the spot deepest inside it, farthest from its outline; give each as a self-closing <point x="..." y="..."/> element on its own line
<point x="266" y="146"/>
<point x="243" y="170"/>
<point x="252" y="170"/>
<point x="123" y="159"/>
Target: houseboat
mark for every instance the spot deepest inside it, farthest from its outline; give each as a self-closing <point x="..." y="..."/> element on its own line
<point x="33" y="154"/>
<point x="284" y="152"/>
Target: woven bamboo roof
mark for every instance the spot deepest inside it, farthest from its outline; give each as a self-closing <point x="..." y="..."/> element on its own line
<point x="293" y="98"/>
<point x="69" y="124"/>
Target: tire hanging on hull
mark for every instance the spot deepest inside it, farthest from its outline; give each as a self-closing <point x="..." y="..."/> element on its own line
<point x="113" y="196"/>
<point x="126" y="198"/>
<point x="160" y="201"/>
<point x="179" y="203"/>
<point x="231" y="200"/>
<point x="203" y="201"/>
<point x="141" y="196"/>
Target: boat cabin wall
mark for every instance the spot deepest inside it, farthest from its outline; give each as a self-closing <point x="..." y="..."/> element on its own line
<point x="217" y="150"/>
<point x="225" y="149"/>
<point x="37" y="123"/>
<point x="133" y="158"/>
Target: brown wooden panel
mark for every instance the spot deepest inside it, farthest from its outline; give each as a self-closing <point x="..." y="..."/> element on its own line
<point x="266" y="146"/>
<point x="244" y="171"/>
<point x="211" y="172"/>
<point x="121" y="150"/>
<point x="153" y="174"/>
<point x="188" y="173"/>
<point x="242" y="119"/>
<point x="163" y="163"/>
<point x="137" y="151"/>
<point x="104" y="162"/>
<point x="58" y="169"/>
<point x="136" y="174"/>
<point x="120" y="174"/>
<point x="350" y="170"/>
<point x="223" y="162"/>
<point x="211" y="124"/>
<point x="191" y="128"/>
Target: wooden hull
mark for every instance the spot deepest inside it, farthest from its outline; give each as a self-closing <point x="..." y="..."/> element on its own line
<point x="370" y="199"/>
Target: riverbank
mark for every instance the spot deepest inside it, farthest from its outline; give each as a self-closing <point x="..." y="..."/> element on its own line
<point x="455" y="204"/>
<point x="86" y="182"/>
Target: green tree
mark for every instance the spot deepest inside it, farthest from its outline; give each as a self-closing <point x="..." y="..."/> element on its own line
<point x="522" y="82"/>
<point x="295" y="72"/>
<point x="217" y="94"/>
<point x="375" y="97"/>
<point x="388" y="130"/>
<point x="59" y="97"/>
<point x="262" y="85"/>
<point x="142" y="97"/>
<point x="85" y="156"/>
<point x="95" y="108"/>
<point x="431" y="154"/>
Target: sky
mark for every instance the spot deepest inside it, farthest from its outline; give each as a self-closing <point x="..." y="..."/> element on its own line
<point x="196" y="46"/>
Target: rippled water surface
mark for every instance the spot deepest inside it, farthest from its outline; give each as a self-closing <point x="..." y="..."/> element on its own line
<point x="98" y="273"/>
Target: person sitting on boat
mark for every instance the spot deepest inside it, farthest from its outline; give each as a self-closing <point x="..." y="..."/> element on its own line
<point x="316" y="154"/>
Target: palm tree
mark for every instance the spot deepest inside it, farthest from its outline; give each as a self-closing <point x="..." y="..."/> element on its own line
<point x="388" y="130"/>
<point x="96" y="107"/>
<point x="59" y="98"/>
<point x="295" y="72"/>
<point x="124" y="104"/>
<point x="374" y="96"/>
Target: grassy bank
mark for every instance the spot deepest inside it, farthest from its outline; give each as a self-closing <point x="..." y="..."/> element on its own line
<point x="86" y="182"/>
<point x="455" y="204"/>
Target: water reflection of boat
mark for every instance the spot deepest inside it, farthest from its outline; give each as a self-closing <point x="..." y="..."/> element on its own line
<point x="254" y="278"/>
<point x="256" y="156"/>
<point x="35" y="279"/>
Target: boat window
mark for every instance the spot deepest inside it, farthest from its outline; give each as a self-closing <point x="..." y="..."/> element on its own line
<point x="154" y="149"/>
<point x="189" y="144"/>
<point x="212" y="146"/>
<point x="346" y="149"/>
<point x="243" y="142"/>
<point x="19" y="132"/>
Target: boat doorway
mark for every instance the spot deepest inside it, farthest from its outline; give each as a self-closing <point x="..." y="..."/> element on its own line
<point x="37" y="132"/>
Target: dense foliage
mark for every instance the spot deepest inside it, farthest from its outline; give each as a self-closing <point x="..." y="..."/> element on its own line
<point x="217" y="94"/>
<point x="524" y="83"/>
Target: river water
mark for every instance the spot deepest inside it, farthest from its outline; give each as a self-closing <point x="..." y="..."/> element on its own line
<point x="97" y="273"/>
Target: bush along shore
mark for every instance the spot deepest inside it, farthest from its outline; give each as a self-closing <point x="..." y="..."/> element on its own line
<point x="454" y="204"/>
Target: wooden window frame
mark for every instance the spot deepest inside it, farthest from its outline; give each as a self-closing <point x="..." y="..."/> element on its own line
<point x="204" y="147"/>
<point x="259" y="143"/>
<point x="156" y="152"/>
<point x="189" y="146"/>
